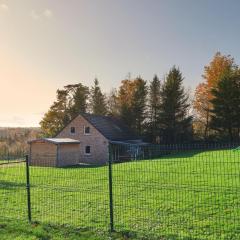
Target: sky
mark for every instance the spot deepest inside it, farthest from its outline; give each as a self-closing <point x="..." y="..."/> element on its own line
<point x="47" y="44"/>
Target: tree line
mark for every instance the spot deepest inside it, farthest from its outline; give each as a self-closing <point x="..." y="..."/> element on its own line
<point x="160" y="111"/>
<point x="13" y="141"/>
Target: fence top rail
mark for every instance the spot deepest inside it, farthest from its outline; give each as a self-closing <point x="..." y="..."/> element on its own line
<point x="178" y="146"/>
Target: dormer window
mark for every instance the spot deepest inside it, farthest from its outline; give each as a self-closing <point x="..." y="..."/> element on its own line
<point x="72" y="130"/>
<point x="87" y="130"/>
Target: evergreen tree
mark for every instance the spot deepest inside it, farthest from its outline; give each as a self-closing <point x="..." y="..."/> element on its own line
<point x="132" y="103"/>
<point x="174" y="119"/>
<point x="78" y="99"/>
<point x="226" y="107"/>
<point x="70" y="101"/>
<point x="98" y="102"/>
<point x="139" y="104"/>
<point x="125" y="102"/>
<point x="112" y="103"/>
<point x="154" y="108"/>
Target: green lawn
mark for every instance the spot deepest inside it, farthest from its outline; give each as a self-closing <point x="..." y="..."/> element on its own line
<point x="195" y="195"/>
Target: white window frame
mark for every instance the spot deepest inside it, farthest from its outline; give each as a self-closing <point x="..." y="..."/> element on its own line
<point x="87" y="154"/>
<point x="71" y="130"/>
<point x="84" y="130"/>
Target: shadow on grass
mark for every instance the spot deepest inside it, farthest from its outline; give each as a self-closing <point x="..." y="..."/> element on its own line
<point x="6" y="185"/>
<point x="82" y="165"/>
<point x="10" y="228"/>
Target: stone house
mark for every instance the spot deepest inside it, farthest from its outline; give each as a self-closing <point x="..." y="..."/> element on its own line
<point x="86" y="139"/>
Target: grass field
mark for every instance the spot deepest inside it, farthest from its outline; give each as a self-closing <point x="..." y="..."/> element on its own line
<point x="193" y="195"/>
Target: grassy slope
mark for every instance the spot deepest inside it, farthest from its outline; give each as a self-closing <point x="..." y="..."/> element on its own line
<point x="189" y="196"/>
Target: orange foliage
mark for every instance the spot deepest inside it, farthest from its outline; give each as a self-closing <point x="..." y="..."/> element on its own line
<point x="213" y="72"/>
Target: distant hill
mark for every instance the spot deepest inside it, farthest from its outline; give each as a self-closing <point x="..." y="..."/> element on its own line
<point x="13" y="141"/>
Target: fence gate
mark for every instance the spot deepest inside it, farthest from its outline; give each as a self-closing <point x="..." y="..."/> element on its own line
<point x="177" y="191"/>
<point x="13" y="194"/>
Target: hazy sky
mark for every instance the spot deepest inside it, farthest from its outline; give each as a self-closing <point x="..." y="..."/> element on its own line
<point x="45" y="45"/>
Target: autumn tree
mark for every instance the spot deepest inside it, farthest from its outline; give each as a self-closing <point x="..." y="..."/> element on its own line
<point x="98" y="102"/>
<point x="174" y="116"/>
<point x="217" y="68"/>
<point x="201" y="105"/>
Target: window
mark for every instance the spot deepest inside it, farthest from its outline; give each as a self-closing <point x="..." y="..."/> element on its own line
<point x="86" y="130"/>
<point x="87" y="150"/>
<point x="72" y="130"/>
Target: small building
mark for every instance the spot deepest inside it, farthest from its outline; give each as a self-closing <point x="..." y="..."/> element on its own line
<point x="54" y="152"/>
<point x="85" y="140"/>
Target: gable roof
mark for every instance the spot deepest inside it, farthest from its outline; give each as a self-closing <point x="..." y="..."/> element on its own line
<point x="110" y="127"/>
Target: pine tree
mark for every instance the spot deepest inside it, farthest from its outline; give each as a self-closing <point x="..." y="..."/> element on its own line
<point x="112" y="103"/>
<point x="78" y="99"/>
<point x="154" y="108"/>
<point x="98" y="102"/>
<point x="139" y="104"/>
<point x="174" y="119"/>
<point x="132" y="103"/>
<point x="125" y="102"/>
<point x="226" y="107"/>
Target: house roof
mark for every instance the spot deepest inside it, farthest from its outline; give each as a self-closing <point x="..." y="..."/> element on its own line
<point x="110" y="127"/>
<point x="56" y="140"/>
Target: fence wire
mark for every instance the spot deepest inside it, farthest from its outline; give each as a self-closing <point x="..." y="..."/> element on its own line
<point x="177" y="191"/>
<point x="74" y="195"/>
<point x="13" y="187"/>
<point x="170" y="192"/>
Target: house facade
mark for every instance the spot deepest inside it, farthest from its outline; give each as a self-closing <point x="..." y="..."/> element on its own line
<point x="93" y="146"/>
<point x="93" y="133"/>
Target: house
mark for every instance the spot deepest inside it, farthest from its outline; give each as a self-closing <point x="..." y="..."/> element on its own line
<point x="86" y="138"/>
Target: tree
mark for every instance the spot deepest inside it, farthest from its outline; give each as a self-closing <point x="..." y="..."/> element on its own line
<point x="112" y="103"/>
<point x="201" y="106"/>
<point x="98" y="102"/>
<point x="132" y="103"/>
<point x="139" y="104"/>
<point x="70" y="101"/>
<point x="217" y="68"/>
<point x="57" y="116"/>
<point x="174" y="117"/>
<point x="154" y="108"/>
<point x="125" y="102"/>
<point x="226" y="107"/>
<point x="78" y="98"/>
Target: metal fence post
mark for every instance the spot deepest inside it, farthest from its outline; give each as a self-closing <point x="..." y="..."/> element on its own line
<point x="28" y="190"/>
<point x="110" y="152"/>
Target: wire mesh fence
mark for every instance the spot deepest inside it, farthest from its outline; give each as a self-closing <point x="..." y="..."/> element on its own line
<point x="11" y="158"/>
<point x="177" y="191"/>
<point x="75" y="195"/>
<point x="171" y="191"/>
<point x="13" y="188"/>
